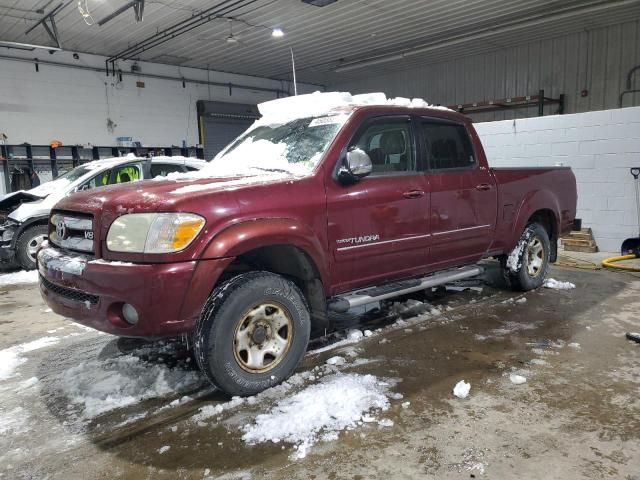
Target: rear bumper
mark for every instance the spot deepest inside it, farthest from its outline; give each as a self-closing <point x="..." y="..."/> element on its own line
<point x="168" y="297"/>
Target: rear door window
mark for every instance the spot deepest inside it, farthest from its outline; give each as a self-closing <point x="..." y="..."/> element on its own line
<point x="447" y="146"/>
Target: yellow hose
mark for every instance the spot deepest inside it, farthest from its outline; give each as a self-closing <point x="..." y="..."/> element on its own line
<point x="609" y="263"/>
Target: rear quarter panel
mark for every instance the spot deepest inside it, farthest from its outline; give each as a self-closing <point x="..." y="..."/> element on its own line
<point x="524" y="191"/>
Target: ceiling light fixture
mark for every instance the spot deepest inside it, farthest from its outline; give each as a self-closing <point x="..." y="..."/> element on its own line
<point x="27" y="46"/>
<point x="319" y="3"/>
<point x="277" y="32"/>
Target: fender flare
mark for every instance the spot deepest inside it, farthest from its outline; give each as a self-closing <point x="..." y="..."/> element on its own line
<point x="248" y="235"/>
<point x="531" y="203"/>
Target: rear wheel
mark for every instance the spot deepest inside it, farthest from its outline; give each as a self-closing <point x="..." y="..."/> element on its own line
<point x="28" y="244"/>
<point x="527" y="265"/>
<point x="253" y="333"/>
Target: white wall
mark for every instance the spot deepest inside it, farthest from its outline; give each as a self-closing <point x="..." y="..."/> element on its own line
<point x="73" y="105"/>
<point x="600" y="147"/>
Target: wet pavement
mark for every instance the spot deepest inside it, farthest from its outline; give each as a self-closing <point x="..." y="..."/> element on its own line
<point x="577" y="416"/>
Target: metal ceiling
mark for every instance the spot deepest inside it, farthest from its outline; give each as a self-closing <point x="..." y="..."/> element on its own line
<point x="323" y="39"/>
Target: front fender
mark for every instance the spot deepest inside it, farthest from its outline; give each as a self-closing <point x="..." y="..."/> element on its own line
<point x="531" y="203"/>
<point x="262" y="232"/>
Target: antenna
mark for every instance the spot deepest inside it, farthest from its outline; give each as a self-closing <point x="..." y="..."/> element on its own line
<point x="293" y="66"/>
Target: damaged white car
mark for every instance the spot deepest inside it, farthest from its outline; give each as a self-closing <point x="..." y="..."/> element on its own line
<point x="24" y="215"/>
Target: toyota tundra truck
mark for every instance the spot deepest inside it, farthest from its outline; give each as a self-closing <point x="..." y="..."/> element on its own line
<point x="328" y="202"/>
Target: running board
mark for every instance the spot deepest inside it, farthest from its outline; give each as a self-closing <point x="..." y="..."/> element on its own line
<point x="343" y="303"/>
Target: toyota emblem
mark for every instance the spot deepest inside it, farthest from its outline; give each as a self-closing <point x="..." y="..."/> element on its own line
<point x="61" y="229"/>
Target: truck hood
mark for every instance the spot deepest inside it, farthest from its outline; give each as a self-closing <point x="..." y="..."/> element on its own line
<point x="196" y="196"/>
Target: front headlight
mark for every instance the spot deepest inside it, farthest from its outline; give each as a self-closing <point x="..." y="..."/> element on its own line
<point x="153" y="232"/>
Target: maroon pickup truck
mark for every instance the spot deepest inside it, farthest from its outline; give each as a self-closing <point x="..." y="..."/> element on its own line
<point x="298" y="217"/>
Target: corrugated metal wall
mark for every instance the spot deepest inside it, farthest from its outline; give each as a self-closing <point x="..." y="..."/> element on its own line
<point x="597" y="60"/>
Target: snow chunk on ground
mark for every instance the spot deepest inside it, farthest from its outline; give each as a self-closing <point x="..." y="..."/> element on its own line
<point x="517" y="379"/>
<point x="103" y="385"/>
<point x="337" y="361"/>
<point x="209" y="411"/>
<point x="354" y="335"/>
<point x="164" y="449"/>
<point x="558" y="285"/>
<point x="385" y="422"/>
<point x="19" y="277"/>
<point x="11" y="358"/>
<point x="462" y="389"/>
<point x="319" y="411"/>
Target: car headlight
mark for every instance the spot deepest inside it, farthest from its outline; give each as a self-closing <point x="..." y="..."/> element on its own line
<point x="153" y="232"/>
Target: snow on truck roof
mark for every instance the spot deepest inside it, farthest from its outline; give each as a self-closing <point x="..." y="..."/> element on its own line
<point x="321" y="103"/>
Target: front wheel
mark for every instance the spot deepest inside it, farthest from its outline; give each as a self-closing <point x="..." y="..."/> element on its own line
<point x="28" y="244"/>
<point x="527" y="265"/>
<point x="252" y="333"/>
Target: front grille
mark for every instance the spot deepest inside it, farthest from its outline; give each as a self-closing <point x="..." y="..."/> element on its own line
<point x="69" y="293"/>
<point x="72" y="231"/>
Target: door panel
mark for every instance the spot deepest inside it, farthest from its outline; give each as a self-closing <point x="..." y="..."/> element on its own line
<point x="378" y="227"/>
<point x="463" y="196"/>
<point x="462" y="217"/>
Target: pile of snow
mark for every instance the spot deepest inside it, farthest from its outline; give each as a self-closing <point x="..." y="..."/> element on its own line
<point x="558" y="285"/>
<point x="99" y="386"/>
<point x="19" y="277"/>
<point x="321" y="103"/>
<point x="462" y="389"/>
<point x="517" y="379"/>
<point x="11" y="358"/>
<point x="320" y="411"/>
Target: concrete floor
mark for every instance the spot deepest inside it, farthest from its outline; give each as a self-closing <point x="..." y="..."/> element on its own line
<point x="578" y="415"/>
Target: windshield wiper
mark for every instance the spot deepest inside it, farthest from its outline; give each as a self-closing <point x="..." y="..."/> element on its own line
<point x="280" y="170"/>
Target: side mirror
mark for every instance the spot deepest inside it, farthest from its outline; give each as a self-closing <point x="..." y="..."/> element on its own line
<point x="357" y="165"/>
<point x="82" y="188"/>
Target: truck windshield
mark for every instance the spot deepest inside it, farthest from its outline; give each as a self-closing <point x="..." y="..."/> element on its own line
<point x="291" y="147"/>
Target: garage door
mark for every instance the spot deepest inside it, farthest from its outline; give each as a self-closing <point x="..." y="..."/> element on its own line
<point x="221" y="123"/>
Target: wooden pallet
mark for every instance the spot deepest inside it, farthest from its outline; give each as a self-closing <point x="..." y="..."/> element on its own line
<point x="580" y="241"/>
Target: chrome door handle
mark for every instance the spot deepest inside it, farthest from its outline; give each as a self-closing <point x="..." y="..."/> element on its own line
<point x="413" y="194"/>
<point x="483" y="187"/>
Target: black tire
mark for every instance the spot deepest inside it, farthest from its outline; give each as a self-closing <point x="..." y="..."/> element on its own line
<point x="230" y="307"/>
<point x="25" y="245"/>
<point x="519" y="268"/>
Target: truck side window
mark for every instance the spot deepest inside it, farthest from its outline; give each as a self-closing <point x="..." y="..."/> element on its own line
<point x="447" y="146"/>
<point x="389" y="145"/>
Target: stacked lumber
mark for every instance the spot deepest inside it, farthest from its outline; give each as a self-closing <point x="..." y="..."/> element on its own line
<point x="580" y="241"/>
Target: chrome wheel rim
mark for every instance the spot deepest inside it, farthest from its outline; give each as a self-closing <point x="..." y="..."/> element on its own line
<point x="263" y="337"/>
<point x="535" y="256"/>
<point x="34" y="245"/>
